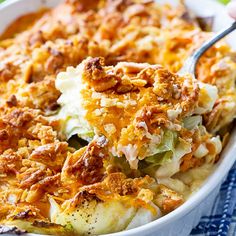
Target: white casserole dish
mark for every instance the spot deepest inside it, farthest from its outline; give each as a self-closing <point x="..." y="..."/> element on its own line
<point x="183" y="219"/>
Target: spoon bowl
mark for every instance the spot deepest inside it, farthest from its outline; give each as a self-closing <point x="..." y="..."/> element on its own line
<point x="191" y="63"/>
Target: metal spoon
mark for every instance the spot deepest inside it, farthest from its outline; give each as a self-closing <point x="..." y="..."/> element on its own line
<point x="191" y="63"/>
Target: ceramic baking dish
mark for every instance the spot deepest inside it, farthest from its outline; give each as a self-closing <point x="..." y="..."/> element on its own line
<point x="184" y="218"/>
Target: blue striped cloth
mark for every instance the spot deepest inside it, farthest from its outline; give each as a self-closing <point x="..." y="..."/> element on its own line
<point x="222" y="219"/>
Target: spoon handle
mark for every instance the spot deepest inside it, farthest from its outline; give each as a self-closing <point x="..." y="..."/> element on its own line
<point x="191" y="63"/>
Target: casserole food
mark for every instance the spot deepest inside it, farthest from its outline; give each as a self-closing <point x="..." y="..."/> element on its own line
<point x="37" y="159"/>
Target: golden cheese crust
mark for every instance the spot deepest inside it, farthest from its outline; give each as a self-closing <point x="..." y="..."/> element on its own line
<point x="32" y="58"/>
<point x="129" y="103"/>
